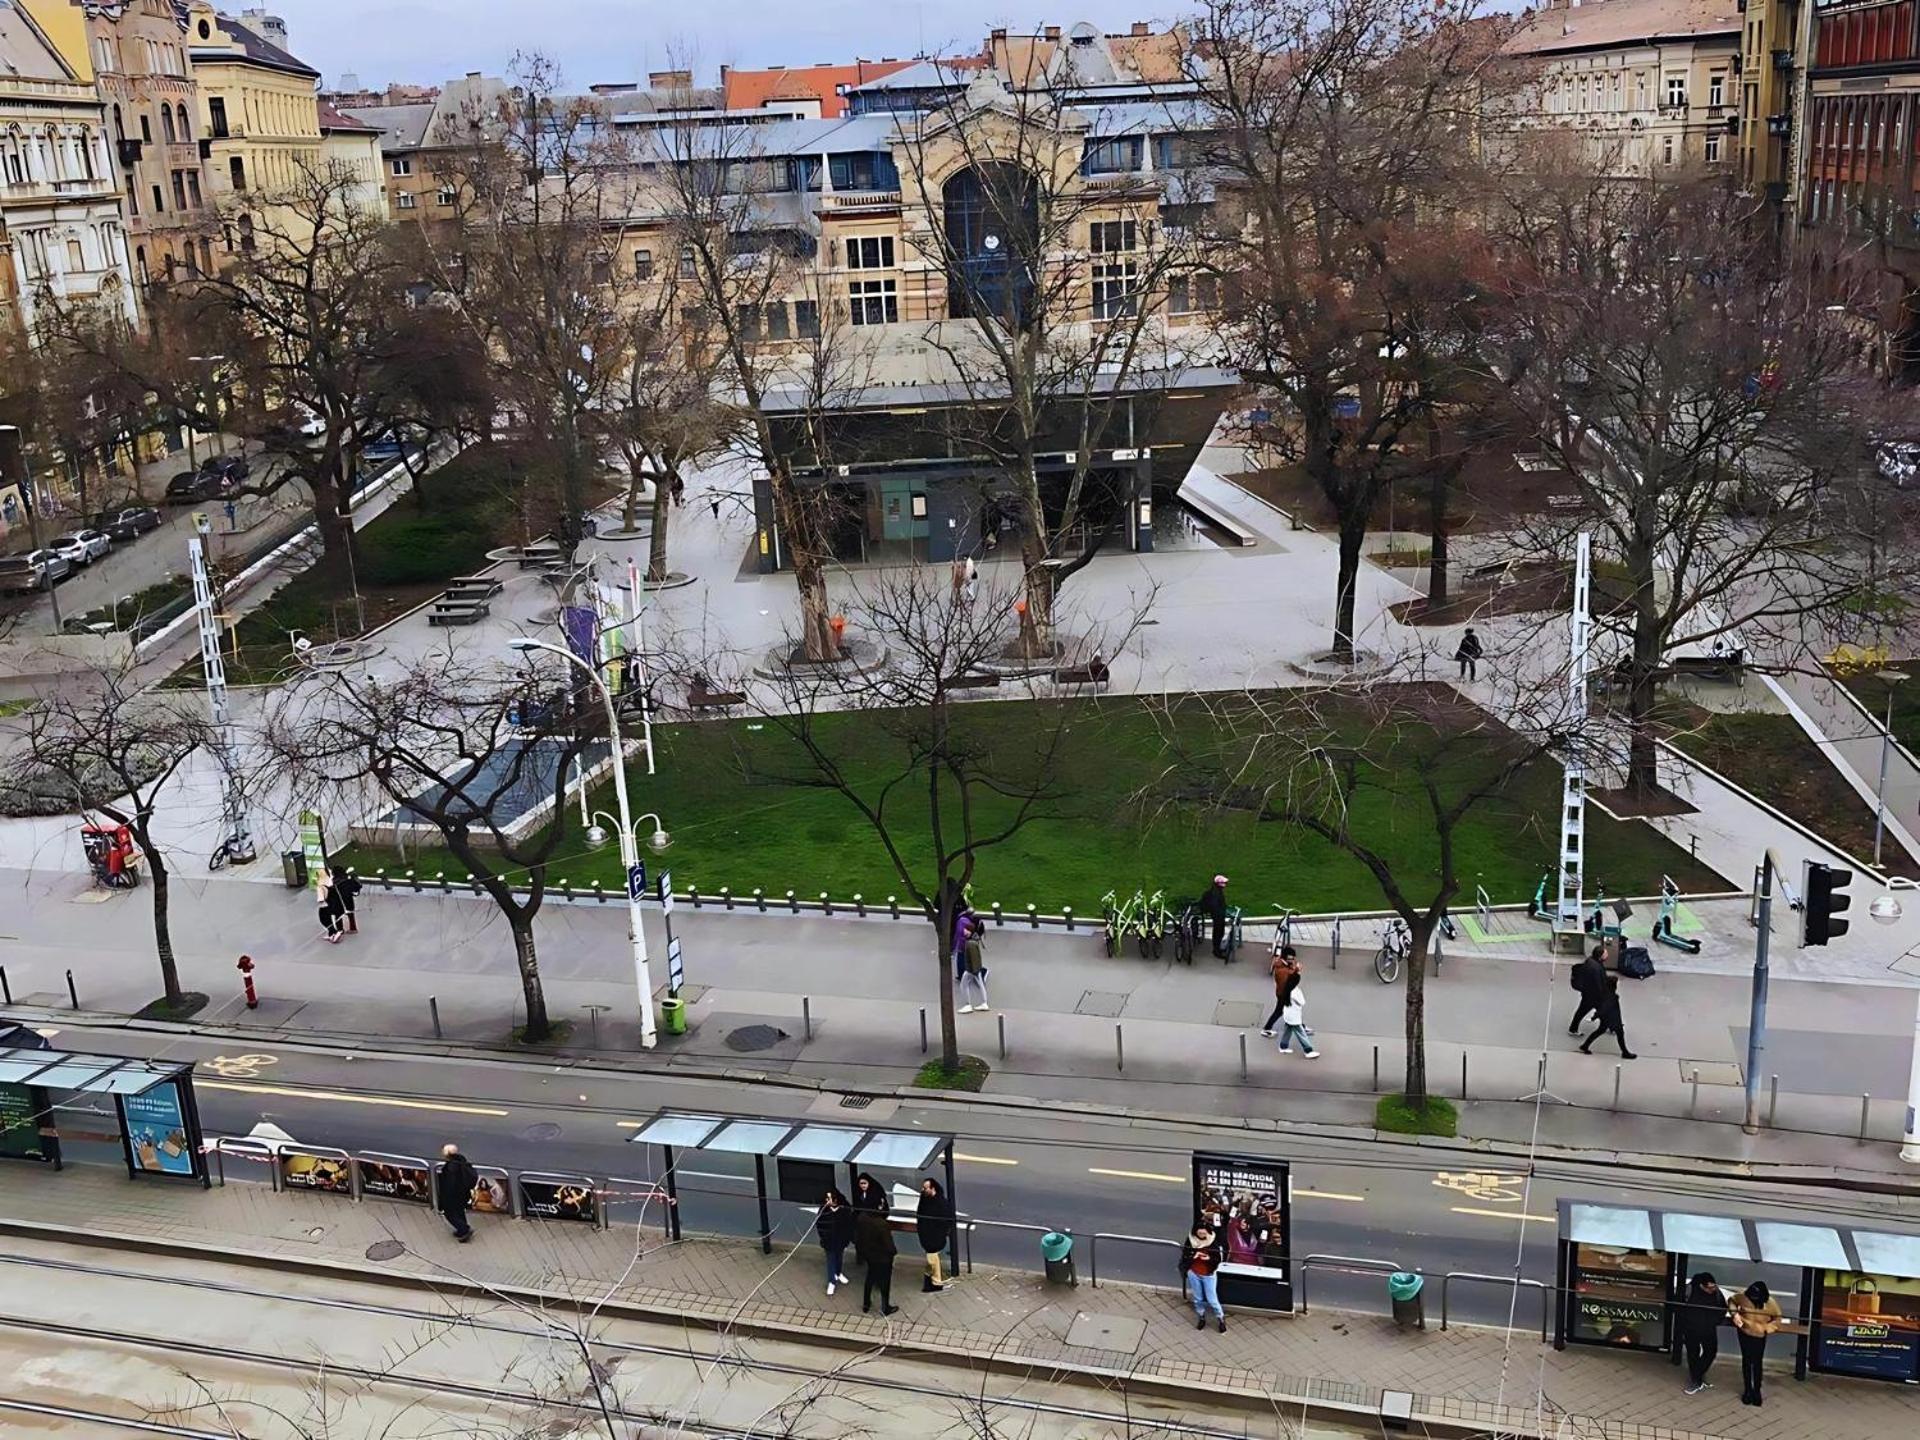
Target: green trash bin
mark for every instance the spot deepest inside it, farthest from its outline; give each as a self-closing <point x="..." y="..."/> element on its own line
<point x="1409" y="1307"/>
<point x="673" y="1015"/>
<point x="1057" y="1251"/>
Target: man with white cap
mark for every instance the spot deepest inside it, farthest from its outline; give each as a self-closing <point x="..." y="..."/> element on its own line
<point x="1214" y="904"/>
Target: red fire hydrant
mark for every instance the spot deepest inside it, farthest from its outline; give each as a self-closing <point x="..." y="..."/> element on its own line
<point x="245" y="967"/>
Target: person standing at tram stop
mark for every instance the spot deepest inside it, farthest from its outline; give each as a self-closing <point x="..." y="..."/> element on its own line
<point x="869" y="1193"/>
<point x="1697" y="1326"/>
<point x="1200" y="1261"/>
<point x="873" y="1243"/>
<point x="933" y="1224"/>
<point x="1756" y="1315"/>
<point x="833" y="1223"/>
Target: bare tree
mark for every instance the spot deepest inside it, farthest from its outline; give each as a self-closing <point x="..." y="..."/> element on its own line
<point x="478" y="754"/>
<point x="1342" y="134"/>
<point x="1690" y="381"/>
<point x="105" y="746"/>
<point x="1052" y="258"/>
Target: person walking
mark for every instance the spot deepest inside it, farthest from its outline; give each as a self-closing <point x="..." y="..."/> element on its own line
<point x="833" y="1223"/>
<point x="1607" y="1008"/>
<point x="1293" y="1021"/>
<point x="933" y="1224"/>
<point x="1286" y="974"/>
<point x="869" y="1193"/>
<point x="1756" y="1315"/>
<point x="328" y="905"/>
<point x="1213" y="904"/>
<point x="457" y="1181"/>
<point x="1698" y="1324"/>
<point x="1469" y="655"/>
<point x="973" y="966"/>
<point x="873" y="1243"/>
<point x="346" y="885"/>
<point x="1589" y="978"/>
<point x="1200" y="1260"/>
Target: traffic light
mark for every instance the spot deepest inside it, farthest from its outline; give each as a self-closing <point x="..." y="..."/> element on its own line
<point x="1826" y="896"/>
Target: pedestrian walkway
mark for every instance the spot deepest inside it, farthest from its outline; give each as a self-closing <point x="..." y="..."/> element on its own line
<point x="1331" y="1362"/>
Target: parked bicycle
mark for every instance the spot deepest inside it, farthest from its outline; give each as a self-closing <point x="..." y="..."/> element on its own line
<point x="1155" y="921"/>
<point x="1396" y="947"/>
<point x="1124" y="921"/>
<point x="1283" y="932"/>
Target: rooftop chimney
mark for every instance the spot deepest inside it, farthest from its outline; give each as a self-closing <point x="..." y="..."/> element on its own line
<point x="1053" y="32"/>
<point x="999" y="32"/>
<point x="669" y="80"/>
<point x="1140" y="27"/>
<point x="614" y="87"/>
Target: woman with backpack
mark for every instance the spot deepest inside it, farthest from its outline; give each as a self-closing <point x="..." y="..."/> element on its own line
<point x="972" y="969"/>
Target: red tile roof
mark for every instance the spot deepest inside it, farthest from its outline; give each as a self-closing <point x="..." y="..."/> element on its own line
<point x="750" y="89"/>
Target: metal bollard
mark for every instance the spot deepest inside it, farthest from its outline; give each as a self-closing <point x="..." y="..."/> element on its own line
<point x="1773" y="1100"/>
<point x="1376" y="1069"/>
<point x="1243" y="1055"/>
<point x="693" y="896"/>
<point x="806" y="1014"/>
<point x="6" y="990"/>
<point x="1067" y="910"/>
<point x="859" y="904"/>
<point x="433" y="1009"/>
<point x="1119" y="1049"/>
<point x="792" y="904"/>
<point x="1463" y="1073"/>
<point x="1033" y="918"/>
<point x="923" y="1029"/>
<point x="726" y="896"/>
<point x="1866" y="1102"/>
<point x="1693" y="1103"/>
<point x="826" y="903"/>
<point x="72" y="994"/>
<point x="998" y="918"/>
<point x="893" y="904"/>
<point x="1334" y="958"/>
<point x="760" y="899"/>
<point x="1003" y="1035"/>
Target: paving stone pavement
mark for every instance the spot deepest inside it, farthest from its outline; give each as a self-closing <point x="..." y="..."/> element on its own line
<point x="1509" y="1384"/>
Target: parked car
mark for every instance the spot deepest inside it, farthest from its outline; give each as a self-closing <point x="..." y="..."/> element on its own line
<point x="82" y="547"/>
<point x="190" y="486"/>
<point x="34" y="570"/>
<point x="129" y="523"/>
<point x="1898" y="461"/>
<point x="232" y="468"/>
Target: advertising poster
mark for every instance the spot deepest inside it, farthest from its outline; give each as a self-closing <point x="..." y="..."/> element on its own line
<point x="302" y="1170"/>
<point x="556" y="1199"/>
<point x="1619" y="1296"/>
<point x="1229" y="1189"/>
<point x="1868" y="1325"/>
<point x="392" y="1181"/>
<point x="490" y="1196"/>
<point x="313" y="844"/>
<point x="157" y="1131"/>
<point x="21" y="1108"/>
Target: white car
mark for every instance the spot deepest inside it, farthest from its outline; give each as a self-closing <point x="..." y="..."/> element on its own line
<point x="83" y="547"/>
<point x="1898" y="461"/>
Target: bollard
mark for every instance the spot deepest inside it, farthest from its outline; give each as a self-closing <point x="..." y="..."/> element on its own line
<point x="1463" y="1073"/>
<point x="1003" y="1035"/>
<point x="1773" y="1100"/>
<point x="1119" y="1049"/>
<point x="1693" y="1104"/>
<point x="446" y="885"/>
<point x="806" y="1014"/>
<point x="693" y="896"/>
<point x="923" y="1029"/>
<point x="792" y="904"/>
<point x="998" y="918"/>
<point x="726" y="896"/>
<point x="1033" y="918"/>
<point x="760" y="899"/>
<point x="433" y="1009"/>
<point x="72" y="994"/>
<point x="859" y="904"/>
<point x="1243" y="1055"/>
<point x="1376" y="1069"/>
<point x="1618" y="1066"/>
<point x="599" y="895"/>
<point x="1335" y="956"/>
<point x="6" y="990"/>
<point x="1865" y="1102"/>
<point x="893" y="904"/>
<point x="826" y="903"/>
<point x="414" y="880"/>
<point x="1067" y="910"/>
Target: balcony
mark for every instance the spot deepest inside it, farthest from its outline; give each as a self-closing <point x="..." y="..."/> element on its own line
<point x="842" y="202"/>
<point x="206" y="147"/>
<point x="1673" y="107"/>
<point x="129" y="151"/>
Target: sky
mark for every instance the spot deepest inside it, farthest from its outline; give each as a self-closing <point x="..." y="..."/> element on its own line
<point x="597" y="41"/>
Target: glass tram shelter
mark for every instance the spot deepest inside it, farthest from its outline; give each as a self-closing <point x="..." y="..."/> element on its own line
<point x="806" y="1156"/>
<point x="153" y="1103"/>
<point x="1623" y="1271"/>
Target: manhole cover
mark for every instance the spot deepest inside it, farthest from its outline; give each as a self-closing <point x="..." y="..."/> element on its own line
<point x="1106" y="1332"/>
<point x="385" y="1250"/>
<point x="855" y="1102"/>
<point x="1101" y="1002"/>
<point x="544" y="1130"/>
<point x="749" y="1038"/>
<point x="1239" y="1014"/>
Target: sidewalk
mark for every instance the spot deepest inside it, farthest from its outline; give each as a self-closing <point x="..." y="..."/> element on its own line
<point x="1338" y="1362"/>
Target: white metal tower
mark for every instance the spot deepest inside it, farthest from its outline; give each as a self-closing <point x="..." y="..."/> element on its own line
<point x="237" y="843"/>
<point x="1573" y="787"/>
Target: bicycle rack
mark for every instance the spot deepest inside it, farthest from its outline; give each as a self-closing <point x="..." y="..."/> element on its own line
<point x="1518" y="1282"/>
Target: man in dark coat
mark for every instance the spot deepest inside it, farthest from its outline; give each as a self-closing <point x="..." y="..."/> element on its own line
<point x="1589" y="978"/>
<point x="873" y="1243"/>
<point x="457" y="1180"/>
<point x="1213" y="904"/>
<point x="1696" y="1323"/>
<point x="934" y="1226"/>
<point x="1607" y="1005"/>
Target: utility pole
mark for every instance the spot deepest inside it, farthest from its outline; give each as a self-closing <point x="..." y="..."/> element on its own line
<point x="1567" y="918"/>
<point x="1757" y="1017"/>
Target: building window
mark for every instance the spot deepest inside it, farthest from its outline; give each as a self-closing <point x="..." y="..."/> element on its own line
<point x="1640" y="90"/>
<point x="874" y="302"/>
<point x="76" y="258"/>
<point x="166" y="123"/>
<point x="179" y="190"/>
<point x="186" y="130"/>
<point x="1112" y="157"/>
<point x="103" y="58"/>
<point x="1192" y="294"/>
<point x="688" y="269"/>
<point x="158" y="207"/>
<point x="1666" y="149"/>
<point x="237" y="172"/>
<point x="146" y="130"/>
<point x="133" y="197"/>
<point x="746" y="319"/>
<point x="206" y="256"/>
<point x="1113" y="290"/>
<point x="870" y="252"/>
<point x="1713" y="149"/>
<point x="806" y="319"/>
<point x="405" y="200"/>
<point x="1716" y="89"/>
<point x="1676" y="92"/>
<point x="446" y="196"/>
<point x="403" y="166"/>
<point x="140" y="263"/>
<point x="643" y="264"/>
<point x="1111" y="237"/>
<point x="217" y="116"/>
<point x="777" y="327"/>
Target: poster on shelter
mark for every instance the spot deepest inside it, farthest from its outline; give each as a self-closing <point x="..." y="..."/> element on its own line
<point x="1869" y="1325"/>
<point x="1620" y="1296"/>
<point x="157" y="1131"/>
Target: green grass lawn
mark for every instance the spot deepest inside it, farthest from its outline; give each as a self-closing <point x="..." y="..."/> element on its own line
<point x="1871" y="691"/>
<point x="731" y="828"/>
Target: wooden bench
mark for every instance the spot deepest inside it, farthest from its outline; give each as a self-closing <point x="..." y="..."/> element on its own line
<point x="491" y="584"/>
<point x="1500" y="572"/>
<point x="459" y="612"/>
<point x="1728" y="667"/>
<point x="534" y="557"/>
<point x="702" y="696"/>
<point x="469" y="594"/>
<point x="1094" y="674"/>
<point x="976" y="680"/>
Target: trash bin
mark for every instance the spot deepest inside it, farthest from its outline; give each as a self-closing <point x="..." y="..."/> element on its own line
<point x="1057" y="1250"/>
<point x="1404" y="1288"/>
<point x="673" y="1015"/>
<point x="293" y="867"/>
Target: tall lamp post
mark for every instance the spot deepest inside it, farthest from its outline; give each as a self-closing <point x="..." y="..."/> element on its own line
<point x="629" y="850"/>
<point x="1892" y="678"/>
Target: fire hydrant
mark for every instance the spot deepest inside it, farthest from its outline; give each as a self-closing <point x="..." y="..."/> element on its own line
<point x="245" y="967"/>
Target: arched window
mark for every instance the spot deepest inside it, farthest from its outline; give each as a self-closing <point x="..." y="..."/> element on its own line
<point x="86" y="152"/>
<point x="119" y="125"/>
<point x="991" y="215"/>
<point x="166" y="122"/>
<point x="140" y="263"/>
<point x="186" y="130"/>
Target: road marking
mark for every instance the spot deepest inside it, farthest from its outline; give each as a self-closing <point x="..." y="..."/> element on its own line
<point x="984" y="1159"/>
<point x="1138" y="1175"/>
<point x="348" y="1098"/>
<point x="240" y="1067"/>
<point x="1482" y="1185"/>
<point x="1328" y="1195"/>
<point x="1505" y="1214"/>
<point x="628" y="1124"/>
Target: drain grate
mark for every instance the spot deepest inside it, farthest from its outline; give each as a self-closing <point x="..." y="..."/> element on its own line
<point x="542" y="1130"/>
<point x="385" y="1250"/>
<point x="749" y="1038"/>
<point x="855" y="1102"/>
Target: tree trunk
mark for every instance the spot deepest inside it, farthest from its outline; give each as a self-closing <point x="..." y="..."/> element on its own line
<point x="630" y="509"/>
<point x="943" y="955"/>
<point x="1416" y="1079"/>
<point x="1352" y="535"/>
<point x="1439" y="491"/>
<point x="528" y="960"/>
<point x="793" y="514"/>
<point x="162" y="935"/>
<point x="662" y="516"/>
<point x="1643" y="759"/>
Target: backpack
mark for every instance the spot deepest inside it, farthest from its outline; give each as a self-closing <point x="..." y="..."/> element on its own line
<point x="1636" y="963"/>
<point x="975" y="957"/>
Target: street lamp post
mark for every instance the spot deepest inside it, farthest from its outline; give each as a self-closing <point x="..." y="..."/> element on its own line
<point x="1892" y="678"/>
<point x="629" y="851"/>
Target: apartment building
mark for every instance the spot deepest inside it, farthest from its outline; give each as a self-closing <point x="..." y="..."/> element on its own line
<point x="1640" y="87"/>
<point x="350" y="148"/>
<point x="140" y="63"/>
<point x="820" y="91"/>
<point x="260" y="114"/>
<point x="59" y="187"/>
<point x="1771" y="73"/>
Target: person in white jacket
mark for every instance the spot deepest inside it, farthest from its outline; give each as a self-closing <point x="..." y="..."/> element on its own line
<point x="1293" y="1021"/>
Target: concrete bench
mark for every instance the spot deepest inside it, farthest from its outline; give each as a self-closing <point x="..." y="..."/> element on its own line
<point x="534" y="557"/>
<point x="980" y="680"/>
<point x="491" y="584"/>
<point x="700" y="696"/>
<point x="1094" y="675"/>
<point x="459" y="612"/>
